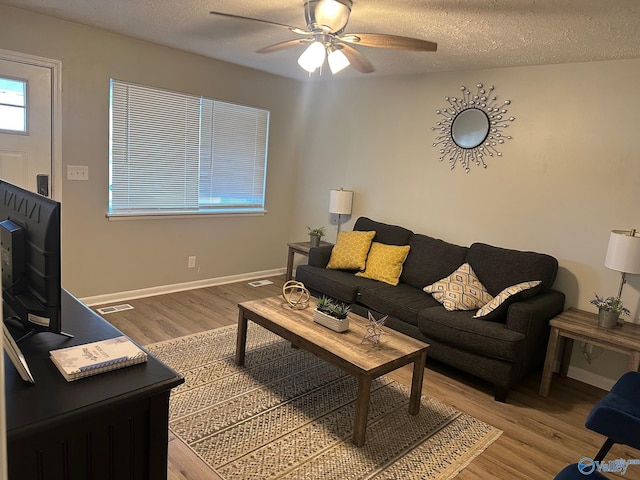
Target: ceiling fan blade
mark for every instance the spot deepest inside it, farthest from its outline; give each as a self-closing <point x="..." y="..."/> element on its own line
<point x="356" y="59"/>
<point x="282" y="45"/>
<point x="275" y="24"/>
<point x="382" y="40"/>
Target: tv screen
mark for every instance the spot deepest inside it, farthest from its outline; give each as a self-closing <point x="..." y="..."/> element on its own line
<point x="30" y="257"/>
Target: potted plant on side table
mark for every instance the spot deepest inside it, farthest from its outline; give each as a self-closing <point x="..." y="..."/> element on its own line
<point x="315" y="234"/>
<point x="609" y="310"/>
<point x="332" y="314"/>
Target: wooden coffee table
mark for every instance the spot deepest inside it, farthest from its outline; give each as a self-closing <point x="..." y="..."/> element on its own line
<point x="344" y="350"/>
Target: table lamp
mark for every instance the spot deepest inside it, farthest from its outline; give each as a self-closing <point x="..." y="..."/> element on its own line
<point x="340" y="202"/>
<point x="623" y="254"/>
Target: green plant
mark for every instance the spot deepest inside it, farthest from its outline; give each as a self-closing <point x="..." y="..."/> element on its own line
<point x="316" y="232"/>
<point x="610" y="304"/>
<point x="339" y="310"/>
<point x="324" y="304"/>
<point x="331" y="307"/>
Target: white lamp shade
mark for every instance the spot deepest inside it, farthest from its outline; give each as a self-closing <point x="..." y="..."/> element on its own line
<point x="337" y="61"/>
<point x="623" y="252"/>
<point x="340" y="202"/>
<point x="313" y="57"/>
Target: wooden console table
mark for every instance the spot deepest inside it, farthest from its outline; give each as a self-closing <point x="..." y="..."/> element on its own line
<point x="301" y="248"/>
<point x="574" y="324"/>
<point x="111" y="425"/>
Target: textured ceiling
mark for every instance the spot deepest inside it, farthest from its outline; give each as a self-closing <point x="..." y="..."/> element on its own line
<point x="471" y="34"/>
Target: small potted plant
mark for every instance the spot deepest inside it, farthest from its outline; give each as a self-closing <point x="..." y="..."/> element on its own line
<point x="609" y="310"/>
<point x="315" y="234"/>
<point x="332" y="314"/>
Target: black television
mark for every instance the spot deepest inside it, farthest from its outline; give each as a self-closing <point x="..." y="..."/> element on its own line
<point x="30" y="258"/>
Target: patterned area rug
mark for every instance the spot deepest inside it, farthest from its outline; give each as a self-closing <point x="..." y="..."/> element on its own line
<point x="287" y="414"/>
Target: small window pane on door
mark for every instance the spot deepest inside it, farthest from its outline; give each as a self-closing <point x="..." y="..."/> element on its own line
<point x="13" y="105"/>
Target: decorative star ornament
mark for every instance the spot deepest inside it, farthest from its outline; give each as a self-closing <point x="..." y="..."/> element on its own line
<point x="374" y="330"/>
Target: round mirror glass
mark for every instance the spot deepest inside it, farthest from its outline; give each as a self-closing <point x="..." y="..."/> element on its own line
<point x="470" y="128"/>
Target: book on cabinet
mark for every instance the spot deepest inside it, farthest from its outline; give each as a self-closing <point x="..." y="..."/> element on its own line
<point x="80" y="361"/>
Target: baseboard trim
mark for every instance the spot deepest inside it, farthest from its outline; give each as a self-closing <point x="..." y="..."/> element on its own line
<point x="590" y="378"/>
<point x="178" y="287"/>
<point x="585" y="376"/>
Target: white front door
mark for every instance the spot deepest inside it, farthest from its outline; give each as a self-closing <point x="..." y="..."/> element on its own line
<point x="26" y="125"/>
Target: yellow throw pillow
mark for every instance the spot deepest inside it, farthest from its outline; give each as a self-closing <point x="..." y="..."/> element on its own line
<point x="460" y="291"/>
<point x="350" y="251"/>
<point x="384" y="263"/>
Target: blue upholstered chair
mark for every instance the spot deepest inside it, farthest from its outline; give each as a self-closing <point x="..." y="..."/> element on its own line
<point x="617" y="417"/>
<point x="571" y="472"/>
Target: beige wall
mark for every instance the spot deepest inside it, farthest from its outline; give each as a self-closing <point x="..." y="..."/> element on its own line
<point x="570" y="174"/>
<point x="102" y="257"/>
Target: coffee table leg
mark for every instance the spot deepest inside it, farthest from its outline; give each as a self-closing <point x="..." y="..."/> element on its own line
<point x="362" y="410"/>
<point x="241" y="341"/>
<point x="416" y="383"/>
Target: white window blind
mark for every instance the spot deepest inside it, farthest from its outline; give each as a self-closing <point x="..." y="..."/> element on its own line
<point x="233" y="151"/>
<point x="175" y="153"/>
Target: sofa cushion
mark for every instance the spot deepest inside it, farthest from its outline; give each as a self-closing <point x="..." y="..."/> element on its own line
<point x="402" y="301"/>
<point x="336" y="284"/>
<point x="459" y="328"/>
<point x="350" y="251"/>
<point x="499" y="268"/>
<point x="497" y="307"/>
<point x="460" y="291"/>
<point x="385" y="233"/>
<point x="429" y="260"/>
<point x="384" y="263"/>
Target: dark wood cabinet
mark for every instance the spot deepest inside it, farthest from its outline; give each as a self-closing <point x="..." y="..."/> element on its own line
<point x="109" y="426"/>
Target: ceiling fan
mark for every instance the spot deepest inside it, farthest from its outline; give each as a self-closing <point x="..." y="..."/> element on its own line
<point x="326" y="22"/>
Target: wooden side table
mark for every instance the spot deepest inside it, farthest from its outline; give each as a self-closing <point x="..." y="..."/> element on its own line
<point x="301" y="248"/>
<point x="574" y="324"/>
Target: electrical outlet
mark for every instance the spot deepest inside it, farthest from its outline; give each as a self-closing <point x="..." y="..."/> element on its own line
<point x="77" y="172"/>
<point x="191" y="262"/>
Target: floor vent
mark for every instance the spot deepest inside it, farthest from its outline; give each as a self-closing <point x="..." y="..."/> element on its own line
<point x="260" y="283"/>
<point x="114" y="308"/>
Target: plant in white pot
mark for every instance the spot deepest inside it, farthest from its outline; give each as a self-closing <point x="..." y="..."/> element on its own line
<point x="609" y="310"/>
<point x="332" y="314"/>
<point x="315" y="234"/>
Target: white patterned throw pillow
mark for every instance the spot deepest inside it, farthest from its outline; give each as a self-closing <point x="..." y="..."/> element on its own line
<point x="460" y="291"/>
<point x="503" y="296"/>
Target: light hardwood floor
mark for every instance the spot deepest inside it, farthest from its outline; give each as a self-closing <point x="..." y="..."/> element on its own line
<point x="541" y="435"/>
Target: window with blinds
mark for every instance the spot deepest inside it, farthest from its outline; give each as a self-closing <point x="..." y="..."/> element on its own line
<point x="13" y="105"/>
<point x="173" y="153"/>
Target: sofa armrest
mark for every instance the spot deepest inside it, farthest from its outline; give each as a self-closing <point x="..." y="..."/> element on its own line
<point x="531" y="317"/>
<point x="319" y="256"/>
<point x="528" y="316"/>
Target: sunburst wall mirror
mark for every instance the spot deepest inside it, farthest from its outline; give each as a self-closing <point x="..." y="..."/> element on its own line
<point x="471" y="127"/>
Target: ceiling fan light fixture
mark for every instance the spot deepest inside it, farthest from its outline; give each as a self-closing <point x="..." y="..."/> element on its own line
<point x="337" y="61"/>
<point x="333" y="14"/>
<point x="312" y="57"/>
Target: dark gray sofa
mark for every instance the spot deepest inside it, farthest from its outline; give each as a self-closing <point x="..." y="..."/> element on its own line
<point x="501" y="348"/>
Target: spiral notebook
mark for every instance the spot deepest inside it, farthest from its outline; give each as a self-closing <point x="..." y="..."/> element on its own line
<point x="98" y="357"/>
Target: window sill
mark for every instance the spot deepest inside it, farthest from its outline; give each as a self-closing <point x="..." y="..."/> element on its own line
<point x="117" y="217"/>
